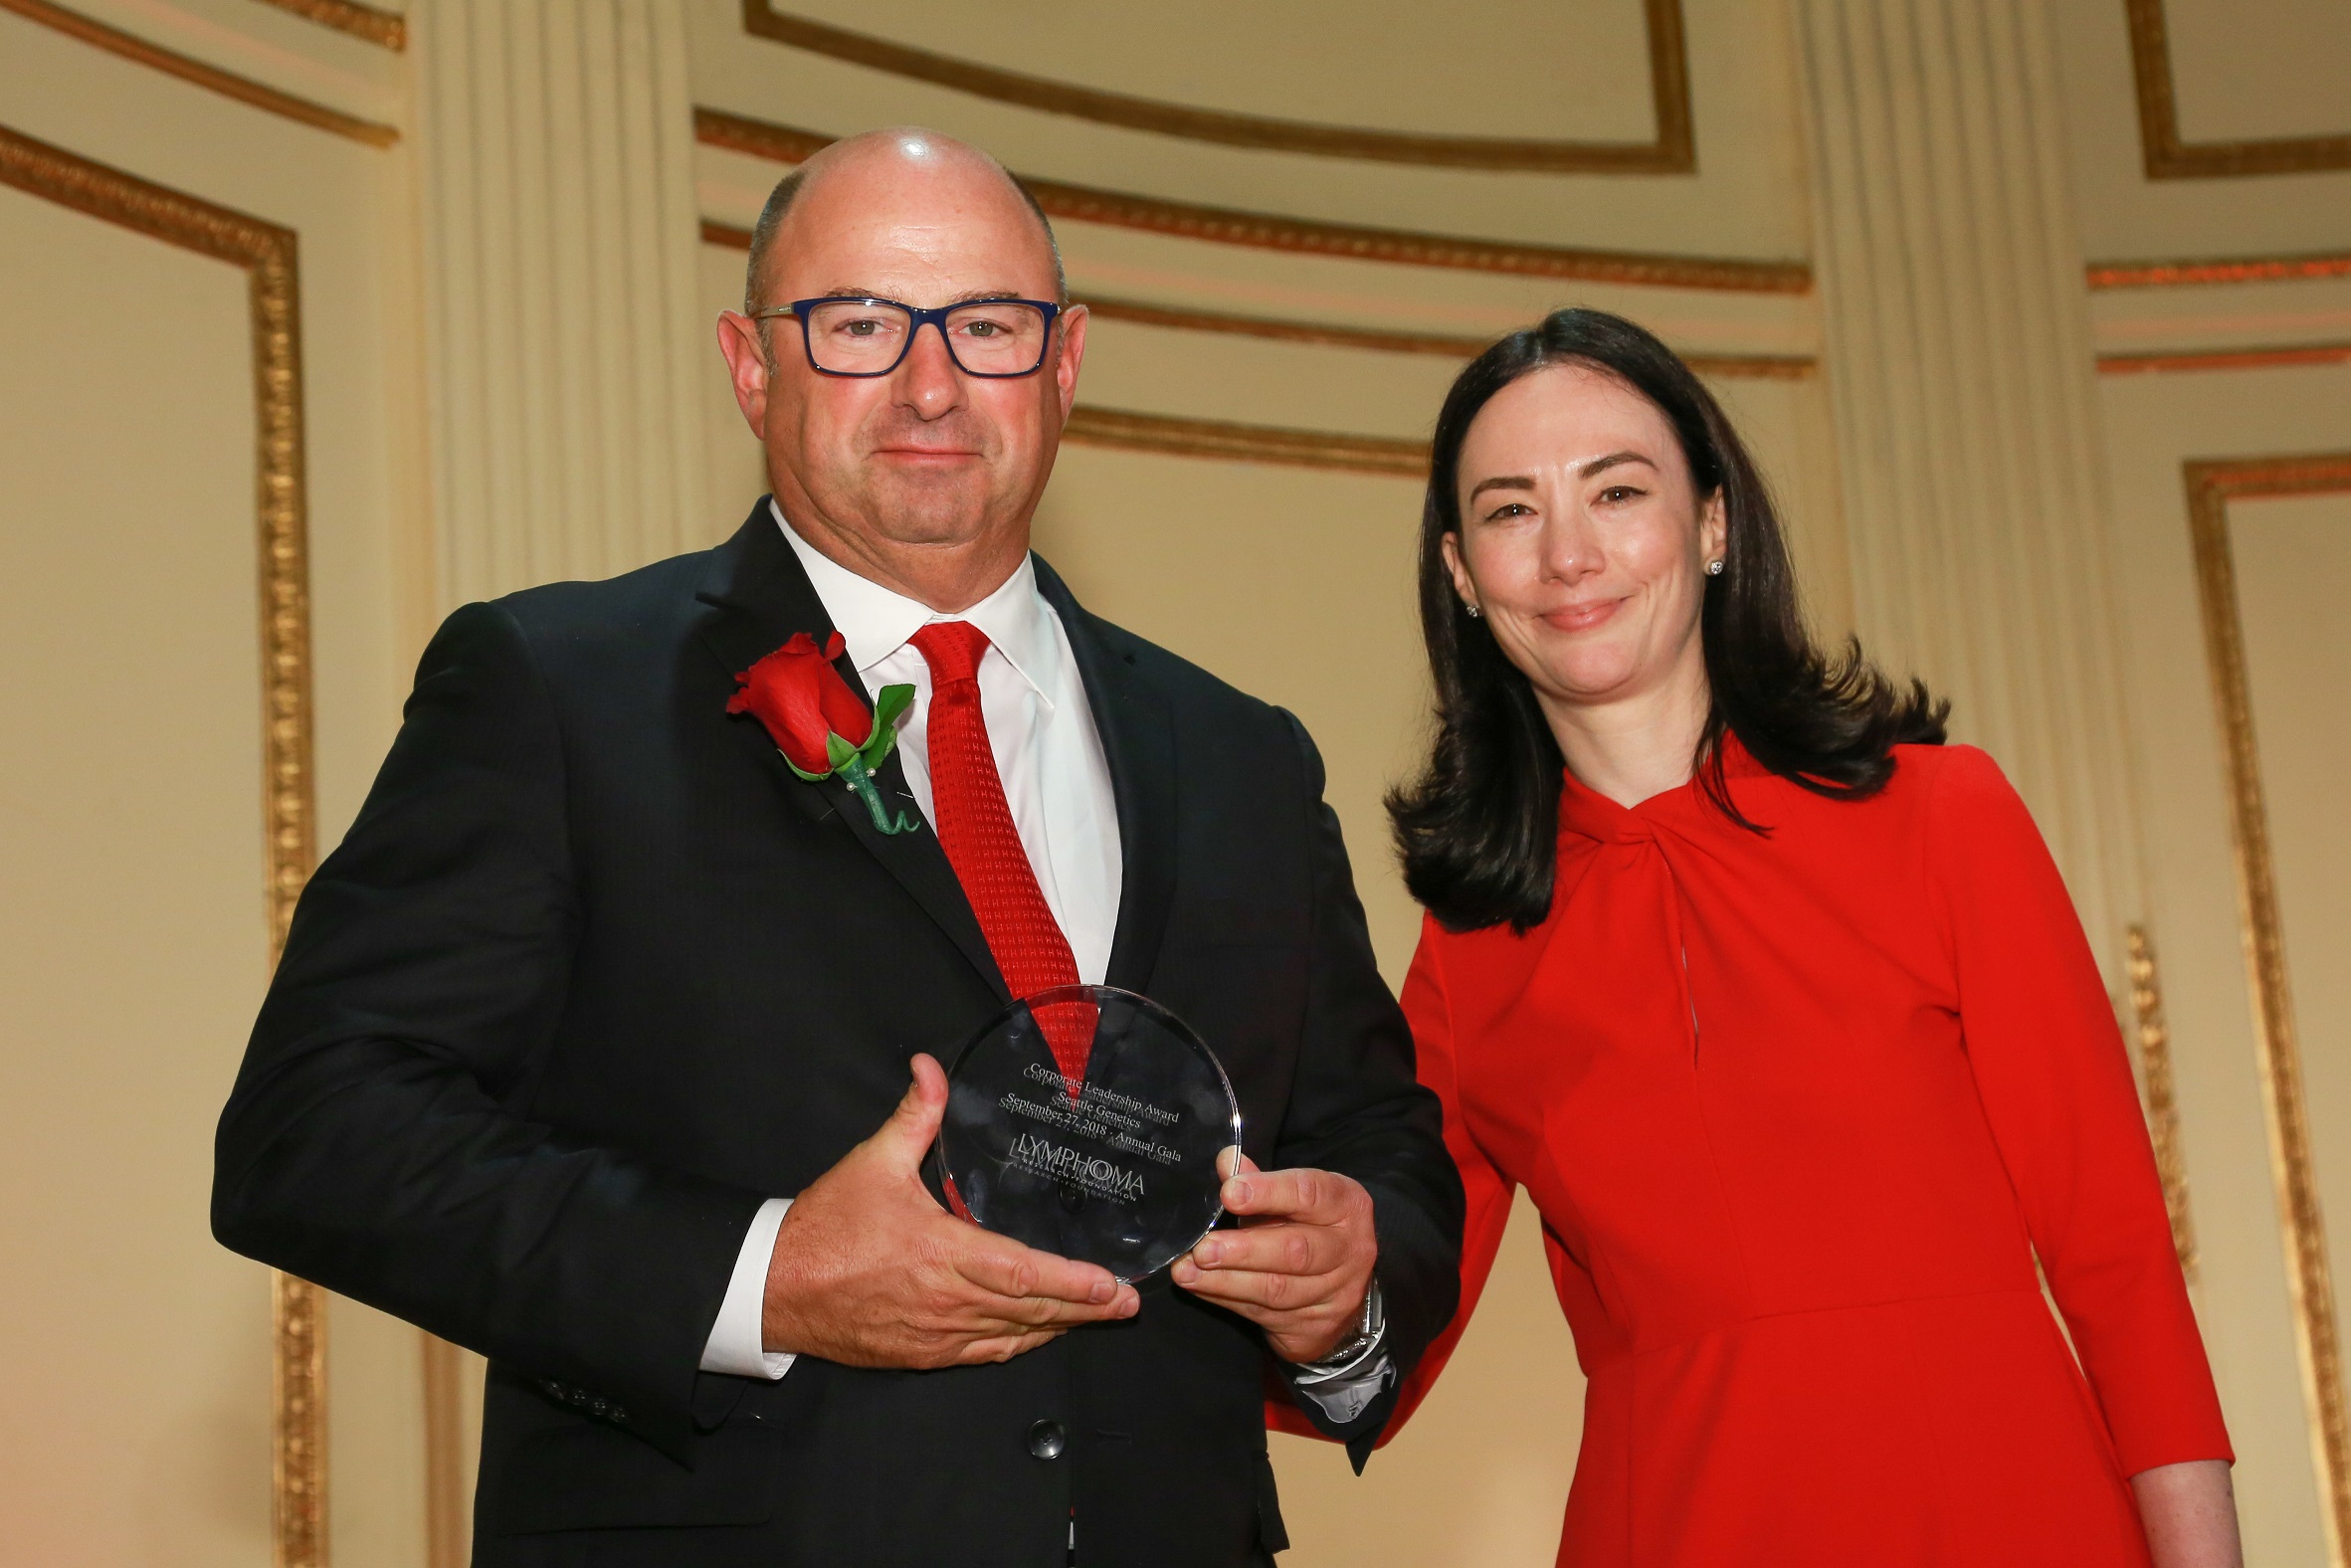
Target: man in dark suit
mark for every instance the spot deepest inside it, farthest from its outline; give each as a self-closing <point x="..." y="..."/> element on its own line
<point x="582" y="1038"/>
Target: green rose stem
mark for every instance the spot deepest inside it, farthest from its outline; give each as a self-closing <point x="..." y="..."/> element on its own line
<point x="853" y="765"/>
<point x="860" y="784"/>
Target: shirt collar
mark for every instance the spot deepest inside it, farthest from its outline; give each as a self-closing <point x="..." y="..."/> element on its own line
<point x="876" y="622"/>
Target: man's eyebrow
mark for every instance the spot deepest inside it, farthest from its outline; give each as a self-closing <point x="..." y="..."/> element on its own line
<point x="1501" y="482"/>
<point x="969" y="296"/>
<point x="1601" y="465"/>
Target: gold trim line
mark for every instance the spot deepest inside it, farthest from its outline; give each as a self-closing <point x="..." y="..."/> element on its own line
<point x="1339" y="334"/>
<point x="2168" y="157"/>
<point x="1672" y="151"/>
<point x="2219" y="270"/>
<point x="268" y="255"/>
<point x="1231" y="440"/>
<point x="2284" y="355"/>
<point x="2163" y="1103"/>
<point x="389" y="29"/>
<point x="1265" y="231"/>
<point x="228" y="84"/>
<point x="2212" y="485"/>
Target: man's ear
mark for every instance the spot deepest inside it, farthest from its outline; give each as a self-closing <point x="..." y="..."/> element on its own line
<point x="1071" y="356"/>
<point x="744" y="345"/>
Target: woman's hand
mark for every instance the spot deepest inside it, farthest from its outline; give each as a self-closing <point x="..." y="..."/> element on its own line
<point x="2189" y="1511"/>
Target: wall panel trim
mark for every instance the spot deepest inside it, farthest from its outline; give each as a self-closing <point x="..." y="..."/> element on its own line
<point x="388" y="28"/>
<point x="2168" y="157"/>
<point x="2211" y="485"/>
<point x="1233" y="442"/>
<point x="1672" y="151"/>
<point x="2219" y="270"/>
<point x="2272" y="357"/>
<point x="1269" y="231"/>
<point x="259" y="95"/>
<point x="266" y="253"/>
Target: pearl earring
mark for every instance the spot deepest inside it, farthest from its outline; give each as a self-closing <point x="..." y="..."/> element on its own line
<point x="1715" y="568"/>
<point x="1475" y="614"/>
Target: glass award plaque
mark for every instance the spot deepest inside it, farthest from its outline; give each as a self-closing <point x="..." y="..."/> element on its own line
<point x="1086" y="1121"/>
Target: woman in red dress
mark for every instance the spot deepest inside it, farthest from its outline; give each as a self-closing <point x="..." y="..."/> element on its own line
<point x="1779" y="1011"/>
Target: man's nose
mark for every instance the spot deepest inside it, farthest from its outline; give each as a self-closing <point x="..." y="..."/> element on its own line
<point x="929" y="380"/>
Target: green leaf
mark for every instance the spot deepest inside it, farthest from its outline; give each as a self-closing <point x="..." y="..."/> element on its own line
<point x="813" y="778"/>
<point x="892" y="705"/>
<point x="838" y="750"/>
<point x="889" y="707"/>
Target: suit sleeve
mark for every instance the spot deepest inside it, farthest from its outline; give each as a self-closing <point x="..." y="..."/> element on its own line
<point x="1355" y="1108"/>
<point x="377" y="1140"/>
<point x="2056" y="1083"/>
<point x="1487" y="1191"/>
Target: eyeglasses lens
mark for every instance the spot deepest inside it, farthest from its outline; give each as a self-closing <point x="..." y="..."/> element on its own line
<point x="991" y="337"/>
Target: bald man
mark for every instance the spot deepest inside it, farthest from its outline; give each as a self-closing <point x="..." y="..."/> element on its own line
<point x="605" y="1043"/>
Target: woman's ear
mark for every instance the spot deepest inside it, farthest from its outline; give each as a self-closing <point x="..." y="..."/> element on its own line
<point x="1463" y="589"/>
<point x="1713" y="527"/>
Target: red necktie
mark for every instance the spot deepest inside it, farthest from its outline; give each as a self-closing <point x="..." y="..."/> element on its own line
<point x="975" y="828"/>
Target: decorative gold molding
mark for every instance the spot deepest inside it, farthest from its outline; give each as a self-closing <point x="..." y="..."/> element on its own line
<point x="228" y="84"/>
<point x="1770" y="367"/>
<point x="1265" y="231"/>
<point x="268" y="255"/>
<point x="1338" y="334"/>
<point x="2163" y="1105"/>
<point x="386" y="28"/>
<point x="2281" y="356"/>
<point x="2212" y="485"/>
<point x="1233" y="442"/>
<point x="2219" y="270"/>
<point x="1674" y="151"/>
<point x="2166" y="158"/>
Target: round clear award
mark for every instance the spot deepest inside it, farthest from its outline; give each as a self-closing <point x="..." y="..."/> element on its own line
<point x="1086" y="1121"/>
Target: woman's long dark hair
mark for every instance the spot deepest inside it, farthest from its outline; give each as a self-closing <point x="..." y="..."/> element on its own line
<point x="1478" y="829"/>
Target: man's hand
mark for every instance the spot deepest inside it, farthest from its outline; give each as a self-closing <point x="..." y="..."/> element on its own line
<point x="868" y="1271"/>
<point x="1300" y="1267"/>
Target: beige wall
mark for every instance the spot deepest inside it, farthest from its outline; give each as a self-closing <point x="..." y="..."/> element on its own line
<point x="132" y="917"/>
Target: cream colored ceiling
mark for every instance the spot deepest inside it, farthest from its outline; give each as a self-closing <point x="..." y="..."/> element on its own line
<point x="2247" y="68"/>
<point x="1744" y="200"/>
<point x="2122" y="213"/>
<point x="1507" y="68"/>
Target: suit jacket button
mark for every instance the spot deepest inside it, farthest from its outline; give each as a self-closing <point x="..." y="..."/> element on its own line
<point x="1047" y="1439"/>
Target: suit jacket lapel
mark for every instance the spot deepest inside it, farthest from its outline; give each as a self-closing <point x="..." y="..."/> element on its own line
<point x="1138" y="741"/>
<point x="758" y="597"/>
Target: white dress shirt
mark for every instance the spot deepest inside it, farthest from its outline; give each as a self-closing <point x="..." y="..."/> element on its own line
<point x="1057" y="782"/>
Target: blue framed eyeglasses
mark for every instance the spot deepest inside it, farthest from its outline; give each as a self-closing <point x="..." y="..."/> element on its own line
<point x="853" y="336"/>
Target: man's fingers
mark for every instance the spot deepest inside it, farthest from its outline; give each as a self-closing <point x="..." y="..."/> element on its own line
<point x="1001" y="1347"/>
<point x="1007" y="1269"/>
<point x="1228" y="1157"/>
<point x="1273" y="1249"/>
<point x="1316" y="1196"/>
<point x="907" y="1134"/>
<point x="1270" y="1293"/>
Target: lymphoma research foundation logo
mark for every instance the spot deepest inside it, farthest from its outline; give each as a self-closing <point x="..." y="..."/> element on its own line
<point x="1044" y="1157"/>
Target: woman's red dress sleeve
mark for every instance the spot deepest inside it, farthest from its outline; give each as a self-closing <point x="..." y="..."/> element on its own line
<point x="1488" y="1191"/>
<point x="2049" y="1065"/>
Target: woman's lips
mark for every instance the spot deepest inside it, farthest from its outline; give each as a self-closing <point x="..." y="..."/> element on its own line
<point x="1582" y="617"/>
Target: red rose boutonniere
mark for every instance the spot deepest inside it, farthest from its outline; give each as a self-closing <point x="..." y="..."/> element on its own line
<point x="819" y="724"/>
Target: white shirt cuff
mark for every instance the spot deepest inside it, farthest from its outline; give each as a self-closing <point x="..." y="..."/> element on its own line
<point x="738" y="1342"/>
<point x="1343" y="1397"/>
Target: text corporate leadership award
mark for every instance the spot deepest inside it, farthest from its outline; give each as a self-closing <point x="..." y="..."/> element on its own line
<point x="1086" y="1121"/>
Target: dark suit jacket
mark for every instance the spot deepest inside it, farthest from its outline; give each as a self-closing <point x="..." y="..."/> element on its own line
<point x="593" y="974"/>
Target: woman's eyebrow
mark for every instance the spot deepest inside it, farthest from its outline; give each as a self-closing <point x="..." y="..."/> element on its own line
<point x="1501" y="482"/>
<point x="1600" y="465"/>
